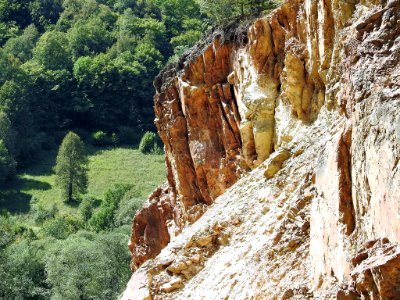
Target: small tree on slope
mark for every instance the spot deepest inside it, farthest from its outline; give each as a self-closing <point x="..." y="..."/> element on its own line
<point x="71" y="167"/>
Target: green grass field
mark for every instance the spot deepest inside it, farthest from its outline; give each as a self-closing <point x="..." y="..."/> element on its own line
<point x="107" y="167"/>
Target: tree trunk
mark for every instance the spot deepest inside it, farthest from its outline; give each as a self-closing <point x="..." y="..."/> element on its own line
<point x="70" y="181"/>
<point x="70" y="191"/>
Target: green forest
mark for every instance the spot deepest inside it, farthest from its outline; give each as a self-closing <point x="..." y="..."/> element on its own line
<point x="78" y="149"/>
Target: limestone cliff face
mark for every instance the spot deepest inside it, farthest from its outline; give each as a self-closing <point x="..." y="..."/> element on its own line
<point x="282" y="150"/>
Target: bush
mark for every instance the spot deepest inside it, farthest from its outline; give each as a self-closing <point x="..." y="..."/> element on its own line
<point x="7" y="232"/>
<point x="61" y="227"/>
<point x="104" y="218"/>
<point x="100" y="138"/>
<point x="87" y="207"/>
<point x="131" y="202"/>
<point x="41" y="214"/>
<point x="127" y="210"/>
<point x="150" y="143"/>
<point x="22" y="270"/>
<point x="114" y="139"/>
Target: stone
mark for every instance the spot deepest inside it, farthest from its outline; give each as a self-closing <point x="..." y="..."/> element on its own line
<point x="196" y="258"/>
<point x="149" y="238"/>
<point x="177" y="267"/>
<point x="172" y="286"/>
<point x="274" y="163"/>
<point x="204" y="240"/>
<point x="138" y="287"/>
<point x="231" y="78"/>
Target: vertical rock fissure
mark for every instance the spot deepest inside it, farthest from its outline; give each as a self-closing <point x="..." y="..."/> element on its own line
<point x="226" y="119"/>
<point x="346" y="207"/>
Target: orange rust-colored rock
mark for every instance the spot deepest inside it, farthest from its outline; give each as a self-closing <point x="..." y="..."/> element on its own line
<point x="198" y="121"/>
<point x="148" y="239"/>
<point x="376" y="270"/>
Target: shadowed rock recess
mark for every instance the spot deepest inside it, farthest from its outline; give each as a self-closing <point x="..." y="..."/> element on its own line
<point x="282" y="149"/>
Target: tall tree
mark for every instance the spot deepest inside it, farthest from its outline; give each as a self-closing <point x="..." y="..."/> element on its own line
<point x="71" y="167"/>
<point x="221" y="10"/>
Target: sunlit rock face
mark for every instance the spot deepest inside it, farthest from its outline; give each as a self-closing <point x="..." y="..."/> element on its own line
<point x="282" y="151"/>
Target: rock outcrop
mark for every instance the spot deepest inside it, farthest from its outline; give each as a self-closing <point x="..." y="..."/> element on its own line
<point x="282" y="151"/>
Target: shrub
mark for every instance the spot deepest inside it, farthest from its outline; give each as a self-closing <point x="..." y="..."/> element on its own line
<point x="61" y="227"/>
<point x="7" y="233"/>
<point x="41" y="214"/>
<point x="87" y="207"/>
<point x="127" y="210"/>
<point x="100" y="138"/>
<point x="104" y="218"/>
<point x="131" y="202"/>
<point x="22" y="270"/>
<point x="114" y="139"/>
<point x="150" y="143"/>
<point x="157" y="149"/>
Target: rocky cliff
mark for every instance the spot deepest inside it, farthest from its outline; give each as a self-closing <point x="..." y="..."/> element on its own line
<point x="282" y="151"/>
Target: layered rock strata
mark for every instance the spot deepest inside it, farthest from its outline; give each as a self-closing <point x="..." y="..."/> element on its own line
<point x="317" y="85"/>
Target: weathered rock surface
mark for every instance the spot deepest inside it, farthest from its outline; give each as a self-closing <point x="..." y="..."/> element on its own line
<point x="282" y="152"/>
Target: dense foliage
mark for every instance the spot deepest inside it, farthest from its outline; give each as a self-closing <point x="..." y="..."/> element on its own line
<point x="85" y="65"/>
<point x="82" y="256"/>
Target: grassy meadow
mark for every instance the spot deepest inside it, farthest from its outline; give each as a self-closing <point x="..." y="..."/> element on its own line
<point x="107" y="167"/>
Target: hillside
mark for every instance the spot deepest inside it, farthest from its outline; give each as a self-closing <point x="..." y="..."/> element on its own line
<point x="282" y="151"/>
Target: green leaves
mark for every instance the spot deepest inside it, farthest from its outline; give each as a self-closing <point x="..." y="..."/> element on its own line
<point x="103" y="219"/>
<point x="86" y="64"/>
<point x="150" y="143"/>
<point x="21" y="46"/>
<point x="52" y="51"/>
<point x="45" y="12"/>
<point x="89" y="38"/>
<point x="89" y="266"/>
